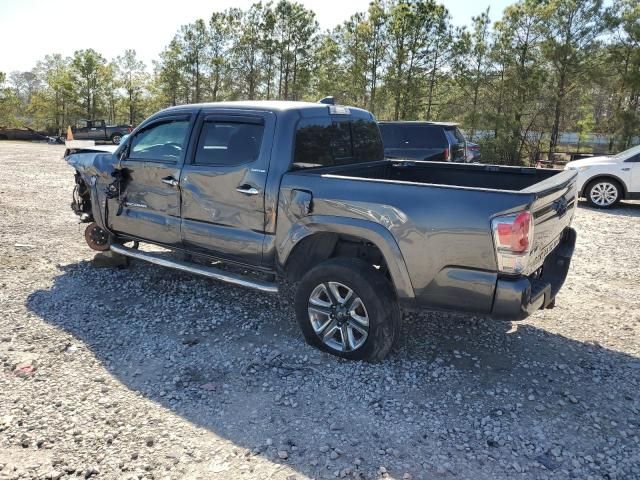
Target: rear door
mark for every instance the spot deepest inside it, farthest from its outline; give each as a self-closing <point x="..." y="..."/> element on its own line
<point x="223" y="185"/>
<point x="152" y="193"/>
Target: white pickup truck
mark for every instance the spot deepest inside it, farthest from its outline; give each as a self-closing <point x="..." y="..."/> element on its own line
<point x="604" y="181"/>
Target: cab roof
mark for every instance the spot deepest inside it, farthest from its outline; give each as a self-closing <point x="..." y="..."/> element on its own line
<point x="418" y="122"/>
<point x="267" y="105"/>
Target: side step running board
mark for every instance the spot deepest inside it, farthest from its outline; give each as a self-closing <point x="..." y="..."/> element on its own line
<point x="197" y="269"/>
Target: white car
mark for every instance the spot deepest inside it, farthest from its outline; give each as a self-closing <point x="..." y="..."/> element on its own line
<point x="604" y="181"/>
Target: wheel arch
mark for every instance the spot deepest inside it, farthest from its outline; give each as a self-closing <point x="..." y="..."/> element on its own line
<point x="605" y="176"/>
<point x="315" y="238"/>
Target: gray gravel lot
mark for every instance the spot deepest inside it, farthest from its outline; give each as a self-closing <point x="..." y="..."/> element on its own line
<point x="147" y="373"/>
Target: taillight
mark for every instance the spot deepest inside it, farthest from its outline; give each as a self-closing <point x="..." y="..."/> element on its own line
<point x="512" y="236"/>
<point x="129" y="129"/>
<point x="446" y="154"/>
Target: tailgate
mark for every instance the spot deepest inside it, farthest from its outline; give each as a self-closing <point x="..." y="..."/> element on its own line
<point x="553" y="210"/>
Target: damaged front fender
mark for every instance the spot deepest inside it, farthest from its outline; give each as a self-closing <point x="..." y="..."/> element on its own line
<point x="95" y="168"/>
<point x="92" y="163"/>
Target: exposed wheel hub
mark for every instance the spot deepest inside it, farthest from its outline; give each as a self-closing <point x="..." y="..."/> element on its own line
<point x="97" y="238"/>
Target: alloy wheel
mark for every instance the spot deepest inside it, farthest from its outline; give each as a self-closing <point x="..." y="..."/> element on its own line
<point x="338" y="316"/>
<point x="604" y="194"/>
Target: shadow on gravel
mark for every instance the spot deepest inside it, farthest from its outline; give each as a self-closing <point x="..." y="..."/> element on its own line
<point x="461" y="392"/>
<point x="624" y="208"/>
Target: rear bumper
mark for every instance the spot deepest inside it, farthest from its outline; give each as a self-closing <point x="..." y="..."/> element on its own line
<point x="517" y="298"/>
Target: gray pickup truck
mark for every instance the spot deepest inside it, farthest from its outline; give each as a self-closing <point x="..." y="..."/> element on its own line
<point x="302" y="191"/>
<point x="99" y="131"/>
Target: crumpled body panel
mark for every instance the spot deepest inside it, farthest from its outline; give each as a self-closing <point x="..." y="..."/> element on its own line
<point x="90" y="164"/>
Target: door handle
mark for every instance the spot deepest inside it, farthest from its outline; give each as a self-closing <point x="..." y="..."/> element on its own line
<point x="247" y="190"/>
<point x="170" y="181"/>
<point x="626" y="169"/>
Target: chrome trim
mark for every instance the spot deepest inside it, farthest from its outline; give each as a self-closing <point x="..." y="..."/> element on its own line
<point x="248" y="190"/>
<point x="170" y="181"/>
<point x="202" y="270"/>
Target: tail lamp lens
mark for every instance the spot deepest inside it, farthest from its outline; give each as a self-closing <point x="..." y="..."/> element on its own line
<point x="512" y="235"/>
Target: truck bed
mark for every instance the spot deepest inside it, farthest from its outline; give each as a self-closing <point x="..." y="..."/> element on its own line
<point x="439" y="214"/>
<point x="492" y="177"/>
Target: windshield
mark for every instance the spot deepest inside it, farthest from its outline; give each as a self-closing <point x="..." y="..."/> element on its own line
<point x="627" y="153"/>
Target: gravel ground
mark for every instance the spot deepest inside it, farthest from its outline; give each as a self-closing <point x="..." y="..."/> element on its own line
<point x="147" y="373"/>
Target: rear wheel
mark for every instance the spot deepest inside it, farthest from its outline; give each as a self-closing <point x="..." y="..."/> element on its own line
<point x="348" y="308"/>
<point x="116" y="138"/>
<point x="603" y="193"/>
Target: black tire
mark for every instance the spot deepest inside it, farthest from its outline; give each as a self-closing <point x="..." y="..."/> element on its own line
<point x="116" y="138"/>
<point x="378" y="301"/>
<point x="596" y="193"/>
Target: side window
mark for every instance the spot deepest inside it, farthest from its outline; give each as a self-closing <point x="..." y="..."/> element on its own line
<point x="81" y="124"/>
<point x="367" y="145"/>
<point x="162" y="141"/>
<point x="322" y="143"/>
<point x="454" y="135"/>
<point x="389" y="135"/>
<point x="634" y="159"/>
<point x="313" y="144"/>
<point x="422" y="136"/>
<point x="229" y="143"/>
<point x="341" y="140"/>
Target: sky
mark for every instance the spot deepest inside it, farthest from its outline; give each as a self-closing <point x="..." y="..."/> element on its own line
<point x="31" y="29"/>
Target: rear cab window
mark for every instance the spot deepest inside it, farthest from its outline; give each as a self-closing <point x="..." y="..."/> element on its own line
<point x="339" y="140"/>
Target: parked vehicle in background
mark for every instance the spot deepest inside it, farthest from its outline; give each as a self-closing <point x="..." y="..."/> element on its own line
<point x="604" y="181"/>
<point x="21" y="133"/>
<point x="473" y="152"/>
<point x="99" y="131"/>
<point x="430" y="141"/>
<point x="302" y="191"/>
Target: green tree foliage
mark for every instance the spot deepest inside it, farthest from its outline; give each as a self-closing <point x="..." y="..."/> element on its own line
<point x="519" y="78"/>
<point x="132" y="77"/>
<point x="546" y="67"/>
<point x="9" y="104"/>
<point x="87" y="68"/>
<point x="623" y="59"/>
<point x="414" y="33"/>
<point x="571" y="29"/>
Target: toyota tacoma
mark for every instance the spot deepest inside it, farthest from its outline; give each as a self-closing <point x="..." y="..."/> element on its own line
<point x="302" y="191"/>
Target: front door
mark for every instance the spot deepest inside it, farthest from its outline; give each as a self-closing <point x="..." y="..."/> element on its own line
<point x="152" y="192"/>
<point x="223" y="185"/>
<point x="633" y="164"/>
